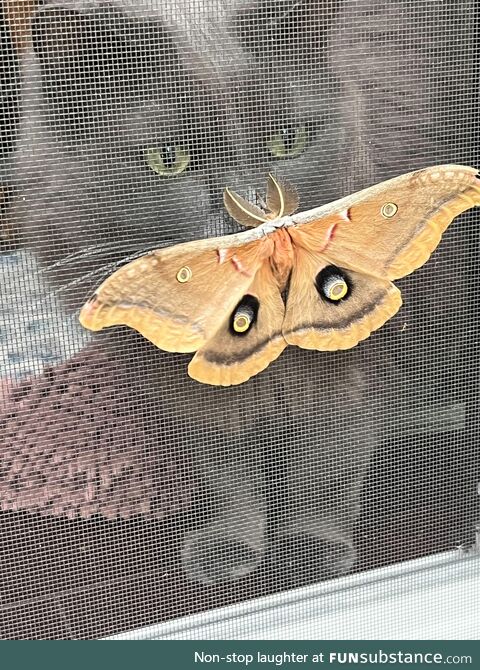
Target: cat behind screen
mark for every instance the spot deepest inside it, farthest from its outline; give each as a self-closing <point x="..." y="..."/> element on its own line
<point x="136" y="116"/>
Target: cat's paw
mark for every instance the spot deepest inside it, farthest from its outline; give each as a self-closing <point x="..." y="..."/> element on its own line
<point x="312" y="558"/>
<point x="211" y="557"/>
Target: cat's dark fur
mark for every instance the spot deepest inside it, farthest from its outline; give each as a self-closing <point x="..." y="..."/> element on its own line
<point x="9" y="96"/>
<point x="283" y="456"/>
<point x="8" y="89"/>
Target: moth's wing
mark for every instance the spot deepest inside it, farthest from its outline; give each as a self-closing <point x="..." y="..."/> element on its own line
<point x="390" y="229"/>
<point x="175" y="315"/>
<point x="312" y="321"/>
<point x="379" y="234"/>
<point x="230" y="357"/>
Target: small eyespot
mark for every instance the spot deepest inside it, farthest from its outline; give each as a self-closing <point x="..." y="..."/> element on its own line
<point x="244" y="315"/>
<point x="333" y="284"/>
<point x="184" y="275"/>
<point x="389" y="209"/>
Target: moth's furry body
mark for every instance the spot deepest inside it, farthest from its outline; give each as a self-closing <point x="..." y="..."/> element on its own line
<point x="104" y="82"/>
<point x="272" y="226"/>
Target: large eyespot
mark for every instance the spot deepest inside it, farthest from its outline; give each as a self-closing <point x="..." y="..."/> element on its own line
<point x="244" y="315"/>
<point x="289" y="142"/>
<point x="333" y="284"/>
<point x="169" y="160"/>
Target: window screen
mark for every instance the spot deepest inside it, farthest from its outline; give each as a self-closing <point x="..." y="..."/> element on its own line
<point x="131" y="494"/>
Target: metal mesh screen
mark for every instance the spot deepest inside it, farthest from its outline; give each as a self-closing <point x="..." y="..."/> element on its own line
<point x="130" y="493"/>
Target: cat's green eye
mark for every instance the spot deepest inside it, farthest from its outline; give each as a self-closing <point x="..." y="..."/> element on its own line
<point x="168" y="161"/>
<point x="289" y="142"/>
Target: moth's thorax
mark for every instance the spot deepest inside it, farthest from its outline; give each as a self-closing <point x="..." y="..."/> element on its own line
<point x="281" y="260"/>
<point x="271" y="226"/>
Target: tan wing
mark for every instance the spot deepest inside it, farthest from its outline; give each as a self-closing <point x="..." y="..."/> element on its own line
<point x="315" y="321"/>
<point x="390" y="229"/>
<point x="177" y="297"/>
<point x="232" y="357"/>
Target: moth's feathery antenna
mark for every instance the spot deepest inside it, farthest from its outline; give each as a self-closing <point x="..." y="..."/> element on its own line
<point x="281" y="199"/>
<point x="241" y="210"/>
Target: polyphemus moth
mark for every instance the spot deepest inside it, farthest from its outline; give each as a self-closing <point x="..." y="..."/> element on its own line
<point x="223" y="298"/>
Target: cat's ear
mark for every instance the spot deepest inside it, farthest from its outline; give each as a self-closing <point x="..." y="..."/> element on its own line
<point x="60" y="33"/>
<point x="102" y="50"/>
<point x="285" y="31"/>
<point x="178" y="297"/>
<point x="98" y="38"/>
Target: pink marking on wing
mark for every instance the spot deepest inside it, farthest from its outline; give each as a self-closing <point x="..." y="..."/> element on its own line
<point x="222" y="255"/>
<point x="329" y="236"/>
<point x="239" y="267"/>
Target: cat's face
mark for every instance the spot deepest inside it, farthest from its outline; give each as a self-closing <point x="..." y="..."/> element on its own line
<point x="140" y="119"/>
